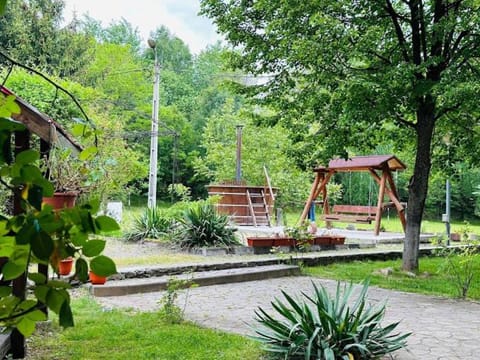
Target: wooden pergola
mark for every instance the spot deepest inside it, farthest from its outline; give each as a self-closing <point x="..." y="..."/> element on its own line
<point x="380" y="167"/>
<point x="49" y="132"/>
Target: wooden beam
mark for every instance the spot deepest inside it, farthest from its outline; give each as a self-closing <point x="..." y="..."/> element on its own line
<point x="42" y="126"/>
<point x="17" y="340"/>
<point x="381" y="194"/>
<point x="311" y="197"/>
<point x="389" y="192"/>
<point x="398" y="205"/>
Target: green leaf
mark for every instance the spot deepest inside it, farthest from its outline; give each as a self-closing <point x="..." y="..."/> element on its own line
<point x="27" y="157"/>
<point x="37" y="315"/>
<point x="7" y="246"/>
<point x="41" y="293"/>
<point x="37" y="278"/>
<point x="4" y="228"/>
<point x="26" y="326"/>
<point x="79" y="129"/>
<point x="106" y="223"/>
<point x="81" y="270"/>
<point x="65" y="317"/>
<point x="25" y="233"/>
<point x="88" y="153"/>
<point x="11" y="270"/>
<point x="55" y="300"/>
<point x="103" y="266"/>
<point x="5" y="291"/>
<point x="47" y="186"/>
<point x="93" y="247"/>
<point x="42" y="245"/>
<point x="78" y="238"/>
<point x="49" y="223"/>
<point x="35" y="196"/>
<point x="92" y="205"/>
<point x="8" y="106"/>
<point x="3" y="4"/>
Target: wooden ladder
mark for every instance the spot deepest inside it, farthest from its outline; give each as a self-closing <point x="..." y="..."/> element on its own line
<point x="258" y="207"/>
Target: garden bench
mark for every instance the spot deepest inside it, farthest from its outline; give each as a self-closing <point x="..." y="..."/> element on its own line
<point x="351" y="213"/>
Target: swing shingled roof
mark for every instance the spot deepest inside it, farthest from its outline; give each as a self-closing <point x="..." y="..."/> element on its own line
<point x="365" y="163"/>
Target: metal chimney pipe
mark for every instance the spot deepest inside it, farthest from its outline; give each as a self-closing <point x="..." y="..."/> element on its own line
<point x="238" y="174"/>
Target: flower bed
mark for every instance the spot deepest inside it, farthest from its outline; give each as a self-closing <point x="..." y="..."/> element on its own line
<point x="259" y="241"/>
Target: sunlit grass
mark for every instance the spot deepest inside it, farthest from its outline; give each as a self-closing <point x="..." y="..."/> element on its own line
<point x="116" y="334"/>
<point x="431" y="277"/>
<point x="160" y="259"/>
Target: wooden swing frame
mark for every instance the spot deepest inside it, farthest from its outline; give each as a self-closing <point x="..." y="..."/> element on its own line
<point x="380" y="167"/>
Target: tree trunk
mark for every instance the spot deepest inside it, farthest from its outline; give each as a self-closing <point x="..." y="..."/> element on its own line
<point x="418" y="187"/>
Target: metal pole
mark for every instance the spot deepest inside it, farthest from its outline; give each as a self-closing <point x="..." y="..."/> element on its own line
<point x="152" y="180"/>
<point x="447" y="205"/>
<point x="238" y="175"/>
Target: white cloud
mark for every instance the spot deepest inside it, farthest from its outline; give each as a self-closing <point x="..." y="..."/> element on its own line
<point x="179" y="16"/>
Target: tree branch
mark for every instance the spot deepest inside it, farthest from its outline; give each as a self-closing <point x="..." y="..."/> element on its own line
<point x="423" y="32"/>
<point x="446" y="110"/>
<point x="38" y="305"/>
<point x="381" y="57"/>
<point x="55" y="85"/>
<point x="398" y="29"/>
<point x="405" y="122"/>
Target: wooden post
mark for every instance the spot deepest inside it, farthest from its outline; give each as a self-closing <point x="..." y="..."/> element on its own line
<point x="396" y="202"/>
<point x="43" y="268"/>
<point x="17" y="340"/>
<point x="381" y="194"/>
<point x="311" y="197"/>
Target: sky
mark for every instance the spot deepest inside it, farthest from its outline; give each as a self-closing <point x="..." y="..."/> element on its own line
<point x="179" y="16"/>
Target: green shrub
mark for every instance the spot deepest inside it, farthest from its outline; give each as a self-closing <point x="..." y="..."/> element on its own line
<point x="202" y="226"/>
<point x="461" y="265"/>
<point x="169" y="311"/>
<point x="154" y="223"/>
<point x="324" y="328"/>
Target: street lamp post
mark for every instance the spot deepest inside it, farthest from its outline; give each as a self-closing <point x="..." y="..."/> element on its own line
<point x="152" y="180"/>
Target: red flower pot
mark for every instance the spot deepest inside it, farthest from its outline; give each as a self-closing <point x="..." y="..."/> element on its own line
<point x="65" y="266"/>
<point x="97" y="279"/>
<point x="61" y="200"/>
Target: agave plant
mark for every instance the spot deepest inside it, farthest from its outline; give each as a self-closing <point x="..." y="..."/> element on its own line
<point x="202" y="226"/>
<point x="154" y="223"/>
<point x="325" y="328"/>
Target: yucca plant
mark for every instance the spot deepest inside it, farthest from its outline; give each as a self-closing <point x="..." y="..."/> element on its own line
<point x="202" y="226"/>
<point x="154" y="223"/>
<point x="325" y="328"/>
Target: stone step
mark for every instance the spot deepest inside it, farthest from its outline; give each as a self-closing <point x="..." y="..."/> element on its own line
<point x="204" y="278"/>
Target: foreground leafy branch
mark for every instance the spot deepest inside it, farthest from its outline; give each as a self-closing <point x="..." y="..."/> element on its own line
<point x="41" y="235"/>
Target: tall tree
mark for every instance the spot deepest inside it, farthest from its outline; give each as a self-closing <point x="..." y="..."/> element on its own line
<point x="354" y="68"/>
<point x="119" y="32"/>
<point x="30" y="32"/>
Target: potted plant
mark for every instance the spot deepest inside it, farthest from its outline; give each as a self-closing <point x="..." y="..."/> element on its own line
<point x="68" y="175"/>
<point x="65" y="266"/>
<point x="96" y="279"/>
<point x="301" y="235"/>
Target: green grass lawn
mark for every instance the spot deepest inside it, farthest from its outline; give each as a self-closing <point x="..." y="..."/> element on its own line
<point x="431" y="279"/>
<point x="120" y="334"/>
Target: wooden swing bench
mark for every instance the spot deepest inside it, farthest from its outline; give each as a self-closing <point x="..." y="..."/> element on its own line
<point x="351" y="213"/>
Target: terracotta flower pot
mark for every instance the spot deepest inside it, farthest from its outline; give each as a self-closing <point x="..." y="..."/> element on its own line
<point x="61" y="200"/>
<point x="96" y="279"/>
<point x="65" y="266"/>
<point x="455" y="237"/>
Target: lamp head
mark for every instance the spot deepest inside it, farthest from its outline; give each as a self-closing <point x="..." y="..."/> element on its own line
<point x="152" y="43"/>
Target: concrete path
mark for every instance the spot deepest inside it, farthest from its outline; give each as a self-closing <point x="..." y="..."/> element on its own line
<point x="442" y="329"/>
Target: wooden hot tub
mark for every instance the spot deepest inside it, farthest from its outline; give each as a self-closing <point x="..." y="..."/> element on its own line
<point x="246" y="205"/>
